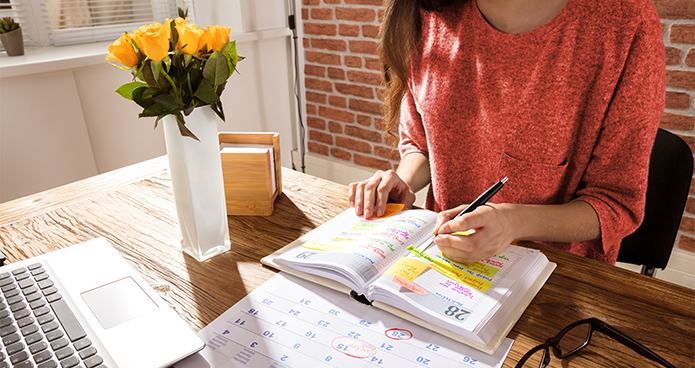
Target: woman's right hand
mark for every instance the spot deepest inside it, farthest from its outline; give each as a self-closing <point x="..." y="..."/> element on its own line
<point x="369" y="197"/>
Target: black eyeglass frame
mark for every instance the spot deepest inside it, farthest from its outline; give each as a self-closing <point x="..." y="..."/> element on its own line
<point x="594" y="324"/>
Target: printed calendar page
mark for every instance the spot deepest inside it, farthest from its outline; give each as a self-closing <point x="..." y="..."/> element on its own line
<point x="289" y="322"/>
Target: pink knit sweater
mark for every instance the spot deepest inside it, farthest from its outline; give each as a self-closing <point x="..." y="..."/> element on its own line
<point x="568" y="111"/>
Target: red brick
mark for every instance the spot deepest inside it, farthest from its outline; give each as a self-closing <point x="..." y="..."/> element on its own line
<point x="322" y="137"/>
<point x="306" y="42"/>
<point x="673" y="56"/>
<point x="331" y="1"/>
<point x="320" y="29"/>
<point x="680" y="79"/>
<point x="381" y="93"/>
<point x="349" y="30"/>
<point x="354" y="90"/>
<point x="315" y="123"/>
<point x="364" y="134"/>
<point x="317" y="148"/>
<point x="319" y="71"/>
<point x="372" y="162"/>
<point x="311" y="2"/>
<point x="690" y="141"/>
<point x="370" y="31"/>
<point x="686" y="243"/>
<point x="675" y="9"/>
<point x="690" y="205"/>
<point x="318" y="84"/>
<point x="322" y="58"/>
<point x="365" y="77"/>
<point x="372" y="63"/>
<point x="316" y="97"/>
<point x="353" y="61"/>
<point x="305" y="14"/>
<point x="379" y="124"/>
<point x="682" y="33"/>
<point x="336" y="73"/>
<point x="364" y="47"/>
<point x="365" y="2"/>
<point x="389" y="153"/>
<point x="364" y="120"/>
<point x="322" y="13"/>
<point x="328" y="44"/>
<point x="690" y="58"/>
<point x="687" y="224"/>
<point x="353" y="144"/>
<point x="341" y="154"/>
<point x="676" y="100"/>
<point x="355" y="14"/>
<point x="335" y="127"/>
<point x="337" y="101"/>
<point x="336" y="114"/>
<point x="311" y="109"/>
<point x="365" y="106"/>
<point x="677" y="121"/>
<point x="380" y="15"/>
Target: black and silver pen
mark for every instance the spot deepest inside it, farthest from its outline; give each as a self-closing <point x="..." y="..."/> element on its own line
<point x="481" y="200"/>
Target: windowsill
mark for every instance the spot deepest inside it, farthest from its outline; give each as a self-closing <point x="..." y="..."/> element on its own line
<point x="50" y="59"/>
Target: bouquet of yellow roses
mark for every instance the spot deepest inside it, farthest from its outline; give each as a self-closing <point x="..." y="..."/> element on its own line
<point x="176" y="67"/>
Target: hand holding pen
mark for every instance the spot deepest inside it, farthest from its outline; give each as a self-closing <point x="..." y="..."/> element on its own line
<point x="481" y="200"/>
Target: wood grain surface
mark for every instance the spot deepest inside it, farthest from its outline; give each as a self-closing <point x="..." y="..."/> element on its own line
<point x="134" y="209"/>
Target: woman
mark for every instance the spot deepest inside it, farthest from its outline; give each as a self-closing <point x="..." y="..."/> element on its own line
<point x="561" y="96"/>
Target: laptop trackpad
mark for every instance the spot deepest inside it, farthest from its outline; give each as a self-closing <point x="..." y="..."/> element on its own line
<point x="118" y="302"/>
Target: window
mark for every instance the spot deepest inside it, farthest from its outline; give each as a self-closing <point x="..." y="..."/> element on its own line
<point x="65" y="22"/>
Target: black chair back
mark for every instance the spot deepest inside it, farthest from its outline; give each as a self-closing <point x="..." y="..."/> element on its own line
<point x="670" y="172"/>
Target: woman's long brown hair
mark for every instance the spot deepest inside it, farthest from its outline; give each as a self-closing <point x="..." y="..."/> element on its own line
<point x="399" y="35"/>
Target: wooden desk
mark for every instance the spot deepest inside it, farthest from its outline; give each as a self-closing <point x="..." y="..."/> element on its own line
<point x="134" y="209"/>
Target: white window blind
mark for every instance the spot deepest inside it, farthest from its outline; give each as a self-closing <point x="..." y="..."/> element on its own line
<point x="65" y="22"/>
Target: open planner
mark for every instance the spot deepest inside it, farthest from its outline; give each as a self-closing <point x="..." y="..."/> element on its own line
<point x="378" y="261"/>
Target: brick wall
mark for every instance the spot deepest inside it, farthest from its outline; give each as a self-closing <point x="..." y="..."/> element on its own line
<point x="678" y="24"/>
<point x="343" y="84"/>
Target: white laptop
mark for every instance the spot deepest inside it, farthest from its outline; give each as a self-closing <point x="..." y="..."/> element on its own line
<point x="119" y="320"/>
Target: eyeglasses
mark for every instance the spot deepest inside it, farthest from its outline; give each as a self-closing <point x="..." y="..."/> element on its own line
<point x="575" y="337"/>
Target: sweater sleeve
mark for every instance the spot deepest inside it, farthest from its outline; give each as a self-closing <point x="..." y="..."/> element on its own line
<point x="412" y="136"/>
<point x="615" y="180"/>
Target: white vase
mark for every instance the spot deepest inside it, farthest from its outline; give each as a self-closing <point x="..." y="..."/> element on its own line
<point x="196" y="174"/>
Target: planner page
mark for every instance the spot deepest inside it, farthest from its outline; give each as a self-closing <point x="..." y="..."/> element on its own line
<point x="289" y="322"/>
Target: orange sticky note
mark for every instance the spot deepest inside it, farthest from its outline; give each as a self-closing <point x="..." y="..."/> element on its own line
<point x="391" y="209"/>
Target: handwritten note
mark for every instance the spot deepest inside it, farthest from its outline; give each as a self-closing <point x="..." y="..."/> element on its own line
<point x="289" y="322"/>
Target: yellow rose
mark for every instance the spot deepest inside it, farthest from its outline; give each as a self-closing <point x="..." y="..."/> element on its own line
<point x="123" y="52"/>
<point x="153" y="41"/>
<point x="218" y="36"/>
<point x="189" y="36"/>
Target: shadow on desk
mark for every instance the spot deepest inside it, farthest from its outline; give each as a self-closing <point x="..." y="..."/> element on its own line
<point x="224" y="280"/>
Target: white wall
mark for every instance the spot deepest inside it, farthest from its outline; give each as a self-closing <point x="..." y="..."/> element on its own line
<point x="61" y="121"/>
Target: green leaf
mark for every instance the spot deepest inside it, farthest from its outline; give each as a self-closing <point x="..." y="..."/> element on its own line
<point x="216" y="69"/>
<point x="229" y="49"/>
<point x="149" y="93"/>
<point x="182" y="127"/>
<point x="156" y="68"/>
<point x="174" y="35"/>
<point x="206" y="92"/>
<point x="148" y="75"/>
<point x="151" y="110"/>
<point x="127" y="89"/>
<point x="138" y="97"/>
<point x="167" y="102"/>
<point x="217" y="108"/>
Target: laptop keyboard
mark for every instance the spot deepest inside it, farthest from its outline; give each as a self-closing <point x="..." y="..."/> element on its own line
<point x="37" y="327"/>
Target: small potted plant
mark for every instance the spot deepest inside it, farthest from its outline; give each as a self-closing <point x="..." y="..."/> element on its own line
<point x="11" y="37"/>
